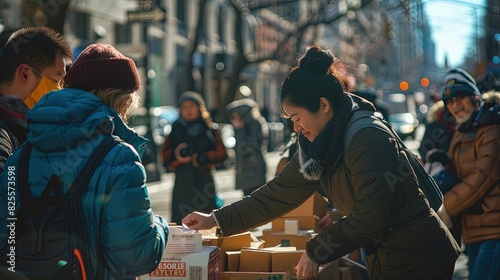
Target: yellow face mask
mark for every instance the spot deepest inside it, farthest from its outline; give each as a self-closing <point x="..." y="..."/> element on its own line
<point x="44" y="86"/>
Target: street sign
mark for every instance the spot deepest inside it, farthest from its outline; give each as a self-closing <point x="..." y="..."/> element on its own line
<point x="156" y="14"/>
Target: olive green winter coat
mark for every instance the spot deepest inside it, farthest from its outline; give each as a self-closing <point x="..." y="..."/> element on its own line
<point x="384" y="211"/>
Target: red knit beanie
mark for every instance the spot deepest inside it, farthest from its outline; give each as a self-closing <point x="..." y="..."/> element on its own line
<point x="102" y="66"/>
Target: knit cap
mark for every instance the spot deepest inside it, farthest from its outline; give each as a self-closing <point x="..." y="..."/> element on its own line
<point x="192" y="96"/>
<point x="102" y="66"/>
<point x="459" y="83"/>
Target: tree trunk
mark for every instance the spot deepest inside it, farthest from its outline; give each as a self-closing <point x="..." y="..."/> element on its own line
<point x="45" y="13"/>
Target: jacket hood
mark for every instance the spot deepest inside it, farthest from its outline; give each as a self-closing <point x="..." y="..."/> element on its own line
<point x="488" y="113"/>
<point x="64" y="119"/>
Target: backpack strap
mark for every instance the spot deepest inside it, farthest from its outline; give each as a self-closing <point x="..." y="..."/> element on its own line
<point x="23" y="164"/>
<point x="81" y="181"/>
<point x="78" y="186"/>
<point x="360" y="120"/>
<point x="363" y="119"/>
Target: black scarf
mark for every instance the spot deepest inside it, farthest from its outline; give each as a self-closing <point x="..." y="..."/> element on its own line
<point x="324" y="151"/>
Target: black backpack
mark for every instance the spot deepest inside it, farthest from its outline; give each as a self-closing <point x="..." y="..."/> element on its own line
<point x="50" y="239"/>
<point x="426" y="183"/>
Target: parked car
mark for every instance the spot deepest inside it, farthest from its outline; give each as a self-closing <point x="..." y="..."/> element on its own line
<point x="402" y="114"/>
<point x="162" y="119"/>
<point x="403" y="124"/>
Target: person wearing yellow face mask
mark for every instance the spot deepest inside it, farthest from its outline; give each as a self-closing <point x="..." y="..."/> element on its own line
<point x="44" y="86"/>
<point x="33" y="63"/>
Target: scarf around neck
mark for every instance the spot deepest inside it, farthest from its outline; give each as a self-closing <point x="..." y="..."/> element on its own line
<point x="322" y="153"/>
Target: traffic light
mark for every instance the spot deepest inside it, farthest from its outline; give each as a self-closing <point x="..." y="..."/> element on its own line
<point x="404" y="86"/>
<point x="424" y="82"/>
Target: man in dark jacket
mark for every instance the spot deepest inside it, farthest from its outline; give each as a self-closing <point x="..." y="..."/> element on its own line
<point x="33" y="63"/>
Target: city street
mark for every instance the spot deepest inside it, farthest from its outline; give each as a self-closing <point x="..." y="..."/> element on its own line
<point x="161" y="192"/>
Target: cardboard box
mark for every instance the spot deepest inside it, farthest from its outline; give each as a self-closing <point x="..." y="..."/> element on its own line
<point x="233" y="260"/>
<point x="228" y="243"/>
<point x="186" y="266"/>
<point x="273" y="259"/>
<point x="255" y="260"/>
<point x="230" y="275"/>
<point x="180" y="241"/>
<point x="315" y="205"/>
<point x="345" y="273"/>
<point x="328" y="271"/>
<point x="278" y="238"/>
<point x="285" y="260"/>
<point x="305" y="223"/>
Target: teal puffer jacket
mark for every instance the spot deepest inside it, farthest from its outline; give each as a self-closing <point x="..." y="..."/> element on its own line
<point x="65" y="127"/>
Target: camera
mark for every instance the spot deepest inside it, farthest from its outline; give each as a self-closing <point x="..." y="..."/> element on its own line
<point x="186" y="152"/>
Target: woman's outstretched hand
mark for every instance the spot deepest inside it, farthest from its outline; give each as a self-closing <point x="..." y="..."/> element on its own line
<point x="198" y="220"/>
<point x="306" y="268"/>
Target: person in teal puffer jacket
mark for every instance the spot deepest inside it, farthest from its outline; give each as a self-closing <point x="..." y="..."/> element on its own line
<point x="65" y="127"/>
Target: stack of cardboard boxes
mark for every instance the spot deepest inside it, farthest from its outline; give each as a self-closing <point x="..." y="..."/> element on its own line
<point x="193" y="255"/>
<point x="284" y="243"/>
<point x="297" y="226"/>
<point x="185" y="258"/>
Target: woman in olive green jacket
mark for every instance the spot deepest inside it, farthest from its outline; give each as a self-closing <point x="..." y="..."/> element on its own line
<point x="384" y="210"/>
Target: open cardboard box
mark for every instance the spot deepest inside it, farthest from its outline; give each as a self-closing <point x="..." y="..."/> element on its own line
<point x="278" y="238"/>
<point x="228" y="243"/>
<point x="315" y="205"/>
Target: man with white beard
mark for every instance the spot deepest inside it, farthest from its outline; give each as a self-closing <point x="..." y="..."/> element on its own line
<point x="475" y="154"/>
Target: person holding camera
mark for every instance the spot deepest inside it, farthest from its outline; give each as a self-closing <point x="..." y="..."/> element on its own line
<point x="191" y="151"/>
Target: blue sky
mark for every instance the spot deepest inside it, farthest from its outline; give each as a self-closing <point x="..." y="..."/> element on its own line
<point x="453" y="24"/>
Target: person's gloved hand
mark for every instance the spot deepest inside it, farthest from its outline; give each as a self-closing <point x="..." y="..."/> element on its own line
<point x="438" y="155"/>
<point x="444" y="216"/>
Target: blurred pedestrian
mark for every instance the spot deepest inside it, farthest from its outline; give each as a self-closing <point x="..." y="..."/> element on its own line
<point x="66" y="127"/>
<point x="390" y="217"/>
<point x="251" y="133"/>
<point x="475" y="155"/>
<point x="192" y="149"/>
<point x="32" y="63"/>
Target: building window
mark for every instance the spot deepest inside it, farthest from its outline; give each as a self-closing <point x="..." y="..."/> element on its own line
<point x="123" y="33"/>
<point x="181" y="11"/>
<point x="79" y="24"/>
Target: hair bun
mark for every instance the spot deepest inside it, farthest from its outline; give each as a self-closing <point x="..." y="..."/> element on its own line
<point x="317" y="60"/>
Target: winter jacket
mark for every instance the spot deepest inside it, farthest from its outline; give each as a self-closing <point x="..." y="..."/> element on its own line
<point x="194" y="186"/>
<point x="475" y="153"/>
<point x="251" y="143"/>
<point x="383" y="208"/>
<point x="65" y="127"/>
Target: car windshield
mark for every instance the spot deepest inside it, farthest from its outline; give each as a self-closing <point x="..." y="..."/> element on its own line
<point x="404" y="117"/>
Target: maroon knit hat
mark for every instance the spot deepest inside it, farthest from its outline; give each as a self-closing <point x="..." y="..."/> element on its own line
<point x="102" y="66"/>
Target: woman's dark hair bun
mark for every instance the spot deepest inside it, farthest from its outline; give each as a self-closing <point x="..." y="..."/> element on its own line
<point x="317" y="60"/>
